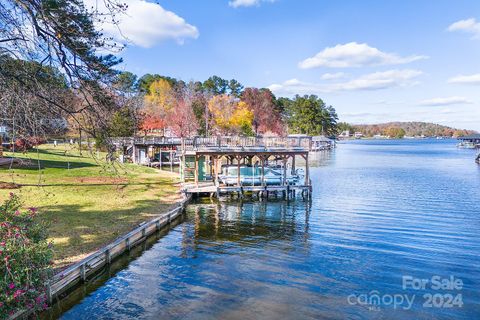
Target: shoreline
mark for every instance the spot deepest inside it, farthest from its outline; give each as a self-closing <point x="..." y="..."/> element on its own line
<point x="81" y="270"/>
<point x="65" y="281"/>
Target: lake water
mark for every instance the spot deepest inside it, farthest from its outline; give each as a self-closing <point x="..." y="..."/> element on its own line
<point x="384" y="215"/>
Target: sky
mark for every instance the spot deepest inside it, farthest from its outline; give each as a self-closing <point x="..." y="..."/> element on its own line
<point x="374" y="61"/>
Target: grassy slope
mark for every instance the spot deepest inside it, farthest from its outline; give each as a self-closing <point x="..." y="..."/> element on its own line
<point x="90" y="203"/>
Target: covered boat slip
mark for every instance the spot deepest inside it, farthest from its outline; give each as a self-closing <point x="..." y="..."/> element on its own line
<point x="469" y="142"/>
<point x="263" y="166"/>
<point x="151" y="151"/>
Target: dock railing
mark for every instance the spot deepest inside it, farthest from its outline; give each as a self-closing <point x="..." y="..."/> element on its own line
<point x="222" y="143"/>
<point x="233" y="143"/>
<point x="146" y="141"/>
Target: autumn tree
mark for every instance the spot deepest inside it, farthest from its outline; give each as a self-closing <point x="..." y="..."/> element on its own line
<point x="221" y="108"/>
<point x="181" y="118"/>
<point x="230" y="116"/>
<point x="241" y="120"/>
<point x="395" y="132"/>
<point x="267" y="118"/>
<point x="158" y="102"/>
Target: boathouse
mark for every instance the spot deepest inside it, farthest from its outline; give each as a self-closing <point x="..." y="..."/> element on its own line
<point x="205" y="162"/>
<point x="470" y="140"/>
<point x="321" y="143"/>
<point x="220" y="165"/>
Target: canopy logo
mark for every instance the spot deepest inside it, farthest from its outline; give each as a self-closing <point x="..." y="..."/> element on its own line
<point x="442" y="293"/>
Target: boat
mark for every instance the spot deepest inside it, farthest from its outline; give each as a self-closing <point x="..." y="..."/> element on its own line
<point x="252" y="176"/>
<point x="466" y="145"/>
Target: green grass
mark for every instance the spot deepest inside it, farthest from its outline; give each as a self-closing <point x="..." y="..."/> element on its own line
<point x="87" y="202"/>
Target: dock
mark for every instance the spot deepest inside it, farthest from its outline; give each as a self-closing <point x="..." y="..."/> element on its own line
<point x="150" y="151"/>
<point x="202" y="159"/>
<point x="469" y="142"/>
<point x="321" y="143"/>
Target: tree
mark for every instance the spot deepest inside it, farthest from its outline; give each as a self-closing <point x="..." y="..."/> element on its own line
<point x="200" y="110"/>
<point x="221" y="108"/>
<point x="235" y="88"/>
<point x="181" y="118"/>
<point x="161" y="95"/>
<point x="344" y="126"/>
<point x="241" y="120"/>
<point x="63" y="37"/>
<point x="22" y="108"/>
<point x="230" y="116"/>
<point x="395" y="132"/>
<point x="123" y="123"/>
<point x="126" y="82"/>
<point x="309" y="115"/>
<point x="158" y="102"/>
<point x="267" y="118"/>
<point x="215" y="85"/>
<point x="144" y="83"/>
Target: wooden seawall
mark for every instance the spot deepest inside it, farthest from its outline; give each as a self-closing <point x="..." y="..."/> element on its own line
<point x="81" y="270"/>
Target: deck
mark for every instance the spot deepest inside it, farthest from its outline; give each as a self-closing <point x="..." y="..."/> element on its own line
<point x="209" y="188"/>
<point x="235" y="144"/>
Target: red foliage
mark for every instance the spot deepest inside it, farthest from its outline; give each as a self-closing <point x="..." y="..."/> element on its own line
<point x="28" y="143"/>
<point x="182" y="120"/>
<point x="266" y="116"/>
<point x="152" y="123"/>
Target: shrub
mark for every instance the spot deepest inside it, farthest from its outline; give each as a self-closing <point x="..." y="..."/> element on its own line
<point x="25" y="258"/>
<point x="28" y="143"/>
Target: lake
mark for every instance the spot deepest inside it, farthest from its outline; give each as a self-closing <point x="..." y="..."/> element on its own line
<point x="392" y="232"/>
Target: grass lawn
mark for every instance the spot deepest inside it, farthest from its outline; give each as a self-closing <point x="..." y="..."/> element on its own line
<point x="87" y="202"/>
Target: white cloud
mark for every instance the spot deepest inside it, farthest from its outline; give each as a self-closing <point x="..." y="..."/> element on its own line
<point x="333" y="76"/>
<point x="448" y="101"/>
<point x="246" y="3"/>
<point x="468" y="25"/>
<point x="380" y="80"/>
<point x="354" y="54"/>
<point x="371" y="81"/>
<point x="145" y="24"/>
<point x="470" y="79"/>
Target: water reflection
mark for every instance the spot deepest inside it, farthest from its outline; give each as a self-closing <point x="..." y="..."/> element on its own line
<point x="380" y="210"/>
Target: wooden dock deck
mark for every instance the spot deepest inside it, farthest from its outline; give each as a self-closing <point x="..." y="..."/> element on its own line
<point x="261" y="192"/>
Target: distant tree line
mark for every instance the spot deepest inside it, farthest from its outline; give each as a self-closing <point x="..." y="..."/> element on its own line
<point x="401" y="129"/>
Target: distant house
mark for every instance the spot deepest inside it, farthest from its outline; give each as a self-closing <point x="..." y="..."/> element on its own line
<point x="358" y="135"/>
<point x="344" y="135"/>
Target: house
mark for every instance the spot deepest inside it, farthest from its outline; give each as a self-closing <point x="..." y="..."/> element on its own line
<point x="344" y="135"/>
<point x="358" y="135"/>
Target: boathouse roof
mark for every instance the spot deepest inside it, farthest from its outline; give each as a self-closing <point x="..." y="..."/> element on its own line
<point x="470" y="137"/>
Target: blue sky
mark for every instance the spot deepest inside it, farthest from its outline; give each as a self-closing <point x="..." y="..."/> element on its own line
<point x="374" y="61"/>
